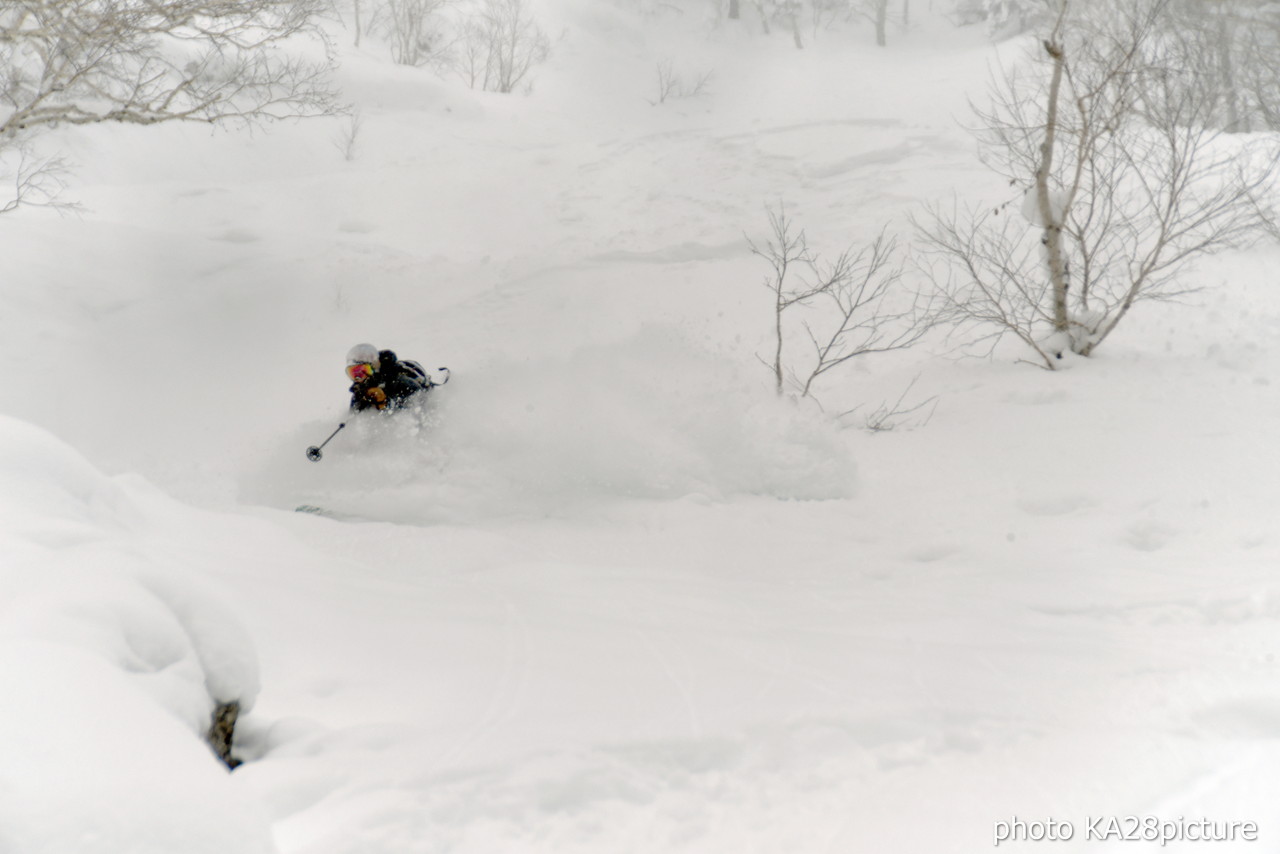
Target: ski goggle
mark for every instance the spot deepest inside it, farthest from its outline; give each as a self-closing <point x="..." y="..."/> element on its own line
<point x="360" y="371"/>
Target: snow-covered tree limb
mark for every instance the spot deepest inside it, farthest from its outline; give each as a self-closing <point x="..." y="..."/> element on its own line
<point x="146" y="62"/>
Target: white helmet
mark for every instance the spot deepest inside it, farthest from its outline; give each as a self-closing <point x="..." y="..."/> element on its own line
<point x="363" y="354"/>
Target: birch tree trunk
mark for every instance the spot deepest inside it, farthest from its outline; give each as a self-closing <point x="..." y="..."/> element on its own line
<point x="1050" y="218"/>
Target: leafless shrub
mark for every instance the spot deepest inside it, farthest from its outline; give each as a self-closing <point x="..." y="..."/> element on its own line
<point x="856" y="305"/>
<point x="1121" y="174"/>
<point x="672" y="85"/>
<point x="898" y="414"/>
<point x="348" y="135"/>
<point x="32" y="180"/>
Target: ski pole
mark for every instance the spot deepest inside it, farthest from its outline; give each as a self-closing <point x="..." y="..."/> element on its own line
<point x="314" y="454"/>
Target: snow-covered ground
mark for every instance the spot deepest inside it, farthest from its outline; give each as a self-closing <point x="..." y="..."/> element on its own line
<point x="614" y="596"/>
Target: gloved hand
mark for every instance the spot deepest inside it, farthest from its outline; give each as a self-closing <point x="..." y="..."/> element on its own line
<point x="377" y="396"/>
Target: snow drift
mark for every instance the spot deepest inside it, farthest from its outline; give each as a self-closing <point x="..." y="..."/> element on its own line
<point x="113" y="653"/>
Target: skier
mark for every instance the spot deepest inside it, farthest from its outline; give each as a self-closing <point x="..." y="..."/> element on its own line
<point x="381" y="381"/>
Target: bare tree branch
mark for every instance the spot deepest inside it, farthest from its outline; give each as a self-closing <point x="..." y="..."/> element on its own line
<point x="146" y="62"/>
<point x="856" y="303"/>
<point x="33" y="181"/>
<point x="673" y="85"/>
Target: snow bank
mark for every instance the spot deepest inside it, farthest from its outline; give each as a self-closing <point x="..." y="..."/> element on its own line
<point x="649" y="417"/>
<point x="112" y="655"/>
<point x="93" y="766"/>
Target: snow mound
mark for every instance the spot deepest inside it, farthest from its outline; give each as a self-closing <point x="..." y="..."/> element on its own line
<point x="650" y="417"/>
<point x="113" y="654"/>
<point x="93" y="767"/>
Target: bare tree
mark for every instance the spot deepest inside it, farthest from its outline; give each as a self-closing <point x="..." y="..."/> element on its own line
<point x="1227" y="49"/>
<point x="674" y="85"/>
<point x="856" y="303"/>
<point x="81" y="62"/>
<point x="787" y="13"/>
<point x="784" y="251"/>
<point x="877" y="12"/>
<point x="145" y="62"/>
<point x="1004" y="18"/>
<point x="823" y="14"/>
<point x="501" y="42"/>
<point x="1121" y="173"/>
<point x="410" y="28"/>
<point x="826" y="13"/>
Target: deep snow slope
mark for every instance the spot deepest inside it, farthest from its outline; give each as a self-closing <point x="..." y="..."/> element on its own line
<point x="114" y="648"/>
<point x="610" y="594"/>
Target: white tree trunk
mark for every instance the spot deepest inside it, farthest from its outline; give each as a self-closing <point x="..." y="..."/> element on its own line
<point x="1051" y="218"/>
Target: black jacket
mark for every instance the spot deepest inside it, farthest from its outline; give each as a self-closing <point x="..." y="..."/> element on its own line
<point x="390" y="387"/>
